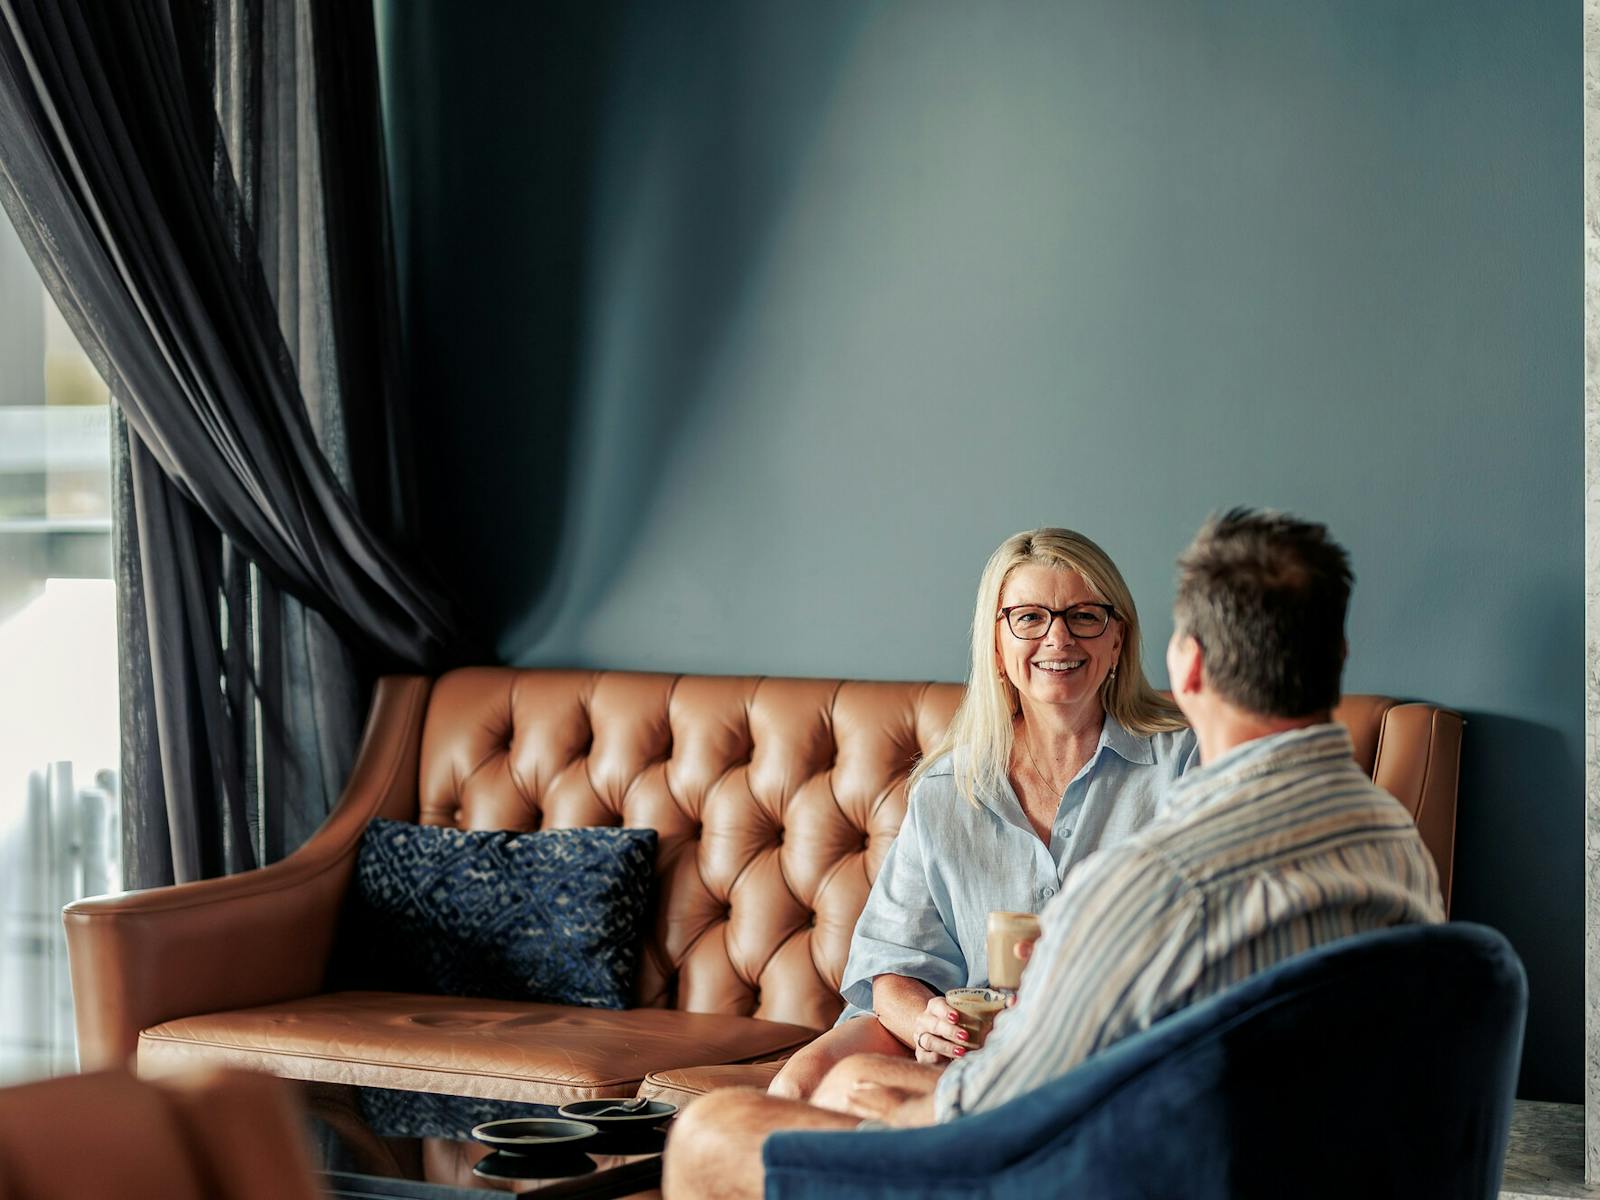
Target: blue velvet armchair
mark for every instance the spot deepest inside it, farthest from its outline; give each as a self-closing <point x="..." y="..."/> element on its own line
<point x="1380" y="1065"/>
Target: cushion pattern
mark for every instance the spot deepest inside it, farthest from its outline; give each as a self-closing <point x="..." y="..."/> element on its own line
<point x="555" y="916"/>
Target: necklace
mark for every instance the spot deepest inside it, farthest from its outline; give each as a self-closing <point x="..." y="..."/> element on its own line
<point x="1027" y="746"/>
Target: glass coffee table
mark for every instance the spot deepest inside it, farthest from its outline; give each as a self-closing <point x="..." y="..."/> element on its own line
<point x="374" y="1143"/>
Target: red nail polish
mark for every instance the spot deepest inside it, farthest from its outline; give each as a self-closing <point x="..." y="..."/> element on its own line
<point x="962" y="1034"/>
<point x="960" y="1051"/>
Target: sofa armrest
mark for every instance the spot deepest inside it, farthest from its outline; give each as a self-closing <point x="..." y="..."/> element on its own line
<point x="1418" y="762"/>
<point x="141" y="958"/>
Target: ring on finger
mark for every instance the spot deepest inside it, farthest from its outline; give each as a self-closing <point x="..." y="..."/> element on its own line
<point x="921" y="1045"/>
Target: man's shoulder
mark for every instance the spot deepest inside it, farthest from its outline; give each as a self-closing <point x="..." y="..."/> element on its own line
<point x="1143" y="863"/>
<point x="1282" y="811"/>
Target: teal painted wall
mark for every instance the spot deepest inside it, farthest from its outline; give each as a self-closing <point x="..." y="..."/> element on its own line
<point x="743" y="331"/>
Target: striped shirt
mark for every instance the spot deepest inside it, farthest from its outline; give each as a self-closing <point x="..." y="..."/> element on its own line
<point x="1280" y="845"/>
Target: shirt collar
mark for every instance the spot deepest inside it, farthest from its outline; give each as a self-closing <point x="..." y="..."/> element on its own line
<point x="1131" y="747"/>
<point x="1302" y="747"/>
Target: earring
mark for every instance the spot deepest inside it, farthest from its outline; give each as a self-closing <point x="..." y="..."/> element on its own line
<point x="1112" y="674"/>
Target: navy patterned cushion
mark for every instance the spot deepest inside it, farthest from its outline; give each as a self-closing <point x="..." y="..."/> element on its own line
<point x="555" y="916"/>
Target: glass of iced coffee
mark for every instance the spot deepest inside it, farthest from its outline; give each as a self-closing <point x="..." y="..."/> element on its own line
<point x="1006" y="929"/>
<point x="977" y="1009"/>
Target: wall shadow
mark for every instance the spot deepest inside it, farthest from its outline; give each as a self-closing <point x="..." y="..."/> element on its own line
<point x="1519" y="867"/>
<point x="561" y="170"/>
<point x="492" y="127"/>
<point x="711" y="112"/>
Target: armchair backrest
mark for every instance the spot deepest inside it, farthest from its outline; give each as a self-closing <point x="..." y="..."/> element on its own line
<point x="775" y="799"/>
<point x="1379" y="1065"/>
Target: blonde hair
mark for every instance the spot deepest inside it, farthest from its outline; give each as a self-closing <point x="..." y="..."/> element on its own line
<point x="982" y="728"/>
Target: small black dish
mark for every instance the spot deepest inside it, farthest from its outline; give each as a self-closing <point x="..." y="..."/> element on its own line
<point x="529" y="1135"/>
<point x="544" y="1164"/>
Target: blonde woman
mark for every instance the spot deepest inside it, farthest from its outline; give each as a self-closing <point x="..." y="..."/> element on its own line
<point x="1060" y="747"/>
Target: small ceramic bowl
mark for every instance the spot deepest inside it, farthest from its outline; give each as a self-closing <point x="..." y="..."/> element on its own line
<point x="593" y="1112"/>
<point x="524" y="1134"/>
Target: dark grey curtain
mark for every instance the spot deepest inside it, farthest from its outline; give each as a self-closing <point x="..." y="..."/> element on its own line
<point x="201" y="184"/>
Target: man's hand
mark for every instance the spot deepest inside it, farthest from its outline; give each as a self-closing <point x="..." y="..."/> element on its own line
<point x="868" y="1099"/>
<point x="1024" y="951"/>
<point x="895" y="1106"/>
<point x="937" y="1036"/>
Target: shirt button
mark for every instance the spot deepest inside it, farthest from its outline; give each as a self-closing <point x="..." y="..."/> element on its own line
<point x="1046" y="892"/>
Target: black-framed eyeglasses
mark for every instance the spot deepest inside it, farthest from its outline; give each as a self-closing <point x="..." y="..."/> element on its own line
<point x="1030" y="622"/>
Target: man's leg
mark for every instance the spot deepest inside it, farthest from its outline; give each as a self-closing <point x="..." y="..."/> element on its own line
<point x="802" y="1074"/>
<point x="714" y="1149"/>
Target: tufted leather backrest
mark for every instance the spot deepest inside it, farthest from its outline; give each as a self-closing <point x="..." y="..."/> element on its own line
<point x="775" y="799"/>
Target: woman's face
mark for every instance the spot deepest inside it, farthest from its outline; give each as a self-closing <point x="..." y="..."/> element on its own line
<point x="1058" y="668"/>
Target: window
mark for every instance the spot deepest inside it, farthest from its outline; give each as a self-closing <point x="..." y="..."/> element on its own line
<point x="59" y="835"/>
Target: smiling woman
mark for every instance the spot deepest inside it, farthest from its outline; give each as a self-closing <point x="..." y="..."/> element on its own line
<point x="1060" y="747"/>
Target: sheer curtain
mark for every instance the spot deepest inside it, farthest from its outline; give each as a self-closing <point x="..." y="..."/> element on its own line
<point x="201" y="184"/>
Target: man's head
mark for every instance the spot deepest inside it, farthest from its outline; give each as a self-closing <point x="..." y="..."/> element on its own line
<point x="1259" y="618"/>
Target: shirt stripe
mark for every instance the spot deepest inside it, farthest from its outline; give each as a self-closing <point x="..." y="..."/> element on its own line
<point x="1279" y="846"/>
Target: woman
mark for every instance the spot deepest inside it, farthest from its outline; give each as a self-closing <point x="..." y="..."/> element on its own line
<point x="1059" y="747"/>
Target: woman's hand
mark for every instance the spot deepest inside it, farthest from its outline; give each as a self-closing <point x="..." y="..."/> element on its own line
<point x="938" y="1036"/>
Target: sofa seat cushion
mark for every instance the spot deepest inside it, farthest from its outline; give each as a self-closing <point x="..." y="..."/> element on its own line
<point x="496" y="1049"/>
<point x="680" y="1085"/>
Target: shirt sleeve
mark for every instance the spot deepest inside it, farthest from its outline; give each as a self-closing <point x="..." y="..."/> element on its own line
<point x="1111" y="946"/>
<point x="902" y="929"/>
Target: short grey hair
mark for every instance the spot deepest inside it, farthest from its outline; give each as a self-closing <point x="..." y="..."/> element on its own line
<point x="1265" y="595"/>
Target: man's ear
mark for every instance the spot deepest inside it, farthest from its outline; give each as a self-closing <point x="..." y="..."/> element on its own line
<point x="1189" y="677"/>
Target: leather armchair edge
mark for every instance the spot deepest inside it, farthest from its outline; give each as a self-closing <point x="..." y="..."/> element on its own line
<point x="140" y="958"/>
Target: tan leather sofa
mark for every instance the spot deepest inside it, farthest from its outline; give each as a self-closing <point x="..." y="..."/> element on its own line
<point x="775" y="799"/>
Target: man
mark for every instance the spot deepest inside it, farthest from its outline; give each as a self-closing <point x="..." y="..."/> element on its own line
<point x="1277" y="843"/>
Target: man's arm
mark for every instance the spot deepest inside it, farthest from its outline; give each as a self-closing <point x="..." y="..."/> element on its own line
<point x="1112" y="942"/>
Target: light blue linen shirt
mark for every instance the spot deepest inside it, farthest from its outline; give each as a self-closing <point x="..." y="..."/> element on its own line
<point x="951" y="863"/>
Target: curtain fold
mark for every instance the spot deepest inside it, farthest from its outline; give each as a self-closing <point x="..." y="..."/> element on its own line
<point x="107" y="171"/>
<point x="201" y="185"/>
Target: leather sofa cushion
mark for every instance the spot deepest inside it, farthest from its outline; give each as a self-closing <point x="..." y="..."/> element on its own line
<point x="681" y="1085"/>
<point x="497" y="1049"/>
